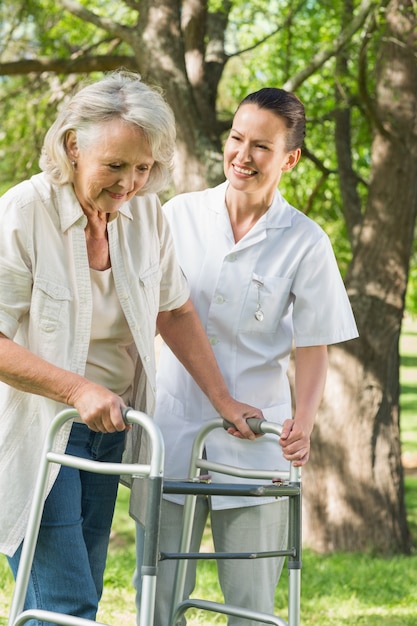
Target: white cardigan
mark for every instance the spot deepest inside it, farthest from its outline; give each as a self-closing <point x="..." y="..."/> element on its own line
<point x="46" y="306"/>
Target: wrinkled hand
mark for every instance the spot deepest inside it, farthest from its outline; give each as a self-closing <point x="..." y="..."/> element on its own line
<point x="295" y="443"/>
<point x="237" y="413"/>
<point x="100" y="408"/>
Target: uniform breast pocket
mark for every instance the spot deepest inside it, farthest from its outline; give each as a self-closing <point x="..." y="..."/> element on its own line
<point x="150" y="283"/>
<point x="50" y="305"/>
<point x="267" y="300"/>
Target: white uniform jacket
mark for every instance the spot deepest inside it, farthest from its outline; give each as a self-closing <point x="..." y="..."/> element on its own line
<point x="278" y="285"/>
<point x="46" y="306"/>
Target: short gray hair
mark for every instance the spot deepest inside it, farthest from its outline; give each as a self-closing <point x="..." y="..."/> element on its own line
<point x="121" y="95"/>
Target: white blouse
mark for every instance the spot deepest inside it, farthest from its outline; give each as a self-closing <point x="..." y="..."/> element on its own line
<point x="109" y="361"/>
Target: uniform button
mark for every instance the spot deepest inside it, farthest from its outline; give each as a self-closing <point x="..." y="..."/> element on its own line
<point x="232" y="257"/>
<point x="147" y="358"/>
<point x="219" y="300"/>
<point x="213" y="341"/>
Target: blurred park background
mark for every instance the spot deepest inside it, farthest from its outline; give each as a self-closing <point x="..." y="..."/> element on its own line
<point x="354" y="65"/>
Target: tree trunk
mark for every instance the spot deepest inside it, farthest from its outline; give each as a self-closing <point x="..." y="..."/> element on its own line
<point x="198" y="161"/>
<point x="354" y="494"/>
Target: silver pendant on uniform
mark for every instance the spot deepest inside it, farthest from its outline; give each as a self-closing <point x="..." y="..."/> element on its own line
<point x="259" y="314"/>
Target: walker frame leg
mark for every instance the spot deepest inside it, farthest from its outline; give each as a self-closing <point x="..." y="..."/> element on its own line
<point x="291" y="489"/>
<point x="153" y="471"/>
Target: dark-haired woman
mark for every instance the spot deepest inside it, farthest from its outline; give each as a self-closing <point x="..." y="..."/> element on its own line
<point x="263" y="278"/>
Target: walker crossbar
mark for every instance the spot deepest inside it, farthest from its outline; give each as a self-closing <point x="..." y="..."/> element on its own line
<point x="165" y="556"/>
<point x="53" y="618"/>
<point x="226" y="489"/>
<point x="207" y="605"/>
<point x="153" y="471"/>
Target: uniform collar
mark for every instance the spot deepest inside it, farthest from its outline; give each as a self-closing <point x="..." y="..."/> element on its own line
<point x="278" y="215"/>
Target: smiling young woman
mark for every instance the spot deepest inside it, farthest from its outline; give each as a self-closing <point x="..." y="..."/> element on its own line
<point x="262" y="276"/>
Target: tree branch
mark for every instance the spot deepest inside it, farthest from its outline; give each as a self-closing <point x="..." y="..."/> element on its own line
<point x="317" y="162"/>
<point x="106" y="24"/>
<point x="68" y="66"/>
<point x="288" y="20"/>
<point x="314" y="193"/>
<point x="193" y="18"/>
<point x="366" y="97"/>
<point x="324" y="55"/>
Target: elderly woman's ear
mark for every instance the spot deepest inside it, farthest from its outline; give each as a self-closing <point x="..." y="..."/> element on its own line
<point x="71" y="145"/>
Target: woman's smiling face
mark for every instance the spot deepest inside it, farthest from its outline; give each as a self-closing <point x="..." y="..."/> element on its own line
<point x="114" y="167"/>
<point x="255" y="154"/>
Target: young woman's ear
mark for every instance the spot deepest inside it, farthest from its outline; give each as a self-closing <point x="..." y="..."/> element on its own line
<point x="292" y="160"/>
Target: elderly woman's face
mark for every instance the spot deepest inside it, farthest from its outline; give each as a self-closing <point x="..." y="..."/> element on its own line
<point x="113" y="168"/>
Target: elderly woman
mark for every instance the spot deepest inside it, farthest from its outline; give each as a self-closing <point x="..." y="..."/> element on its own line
<point x="88" y="274"/>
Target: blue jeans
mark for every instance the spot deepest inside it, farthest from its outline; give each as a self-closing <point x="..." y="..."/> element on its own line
<point x="70" y="556"/>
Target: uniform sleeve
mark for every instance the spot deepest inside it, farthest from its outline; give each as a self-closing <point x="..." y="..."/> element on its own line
<point x="322" y="312"/>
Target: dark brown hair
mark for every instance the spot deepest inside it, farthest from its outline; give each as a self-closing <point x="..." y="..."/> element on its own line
<point x="286" y="105"/>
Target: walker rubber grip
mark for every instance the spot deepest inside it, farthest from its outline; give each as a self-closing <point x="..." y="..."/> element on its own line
<point x="254" y="424"/>
<point x="124" y="411"/>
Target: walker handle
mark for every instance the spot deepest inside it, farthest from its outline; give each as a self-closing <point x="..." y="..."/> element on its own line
<point x="254" y="423"/>
<point x="124" y="411"/>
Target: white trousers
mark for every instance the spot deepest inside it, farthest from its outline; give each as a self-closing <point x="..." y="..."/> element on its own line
<point x="248" y="583"/>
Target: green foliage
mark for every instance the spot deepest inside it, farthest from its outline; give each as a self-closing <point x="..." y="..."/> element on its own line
<point x="411" y="296"/>
<point x="28" y="104"/>
<point x="266" y="43"/>
<point x="25" y="121"/>
<point x="408" y="351"/>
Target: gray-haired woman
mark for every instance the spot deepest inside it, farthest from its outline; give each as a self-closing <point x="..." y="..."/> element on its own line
<point x="88" y="274"/>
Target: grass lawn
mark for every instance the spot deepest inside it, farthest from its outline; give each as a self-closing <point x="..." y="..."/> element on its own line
<point x="337" y="589"/>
